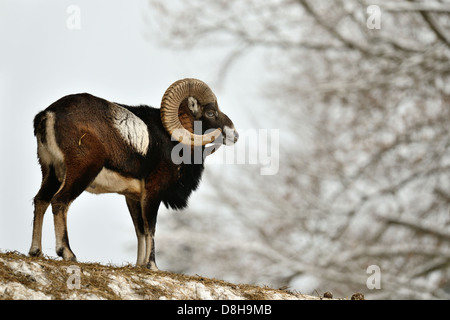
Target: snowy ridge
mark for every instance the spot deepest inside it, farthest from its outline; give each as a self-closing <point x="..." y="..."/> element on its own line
<point x="22" y="277"/>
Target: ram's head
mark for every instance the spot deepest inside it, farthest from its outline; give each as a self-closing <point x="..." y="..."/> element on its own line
<point x="202" y="103"/>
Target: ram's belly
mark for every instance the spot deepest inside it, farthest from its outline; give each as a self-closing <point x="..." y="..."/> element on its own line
<point x="108" y="181"/>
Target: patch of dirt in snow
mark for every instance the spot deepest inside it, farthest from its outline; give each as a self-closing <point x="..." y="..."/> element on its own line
<point x="22" y="277"/>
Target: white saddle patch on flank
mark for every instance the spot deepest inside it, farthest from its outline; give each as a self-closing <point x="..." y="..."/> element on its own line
<point x="108" y="181"/>
<point x="131" y="128"/>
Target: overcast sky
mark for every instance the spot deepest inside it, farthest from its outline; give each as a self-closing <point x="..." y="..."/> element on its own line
<point x="41" y="60"/>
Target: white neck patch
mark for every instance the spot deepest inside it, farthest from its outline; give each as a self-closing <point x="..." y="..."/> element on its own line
<point x="132" y="128"/>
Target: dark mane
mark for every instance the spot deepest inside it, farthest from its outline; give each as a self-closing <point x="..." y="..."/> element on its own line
<point x="176" y="196"/>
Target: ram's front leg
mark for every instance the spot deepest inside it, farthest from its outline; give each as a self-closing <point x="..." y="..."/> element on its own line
<point x="150" y="207"/>
<point x="134" y="206"/>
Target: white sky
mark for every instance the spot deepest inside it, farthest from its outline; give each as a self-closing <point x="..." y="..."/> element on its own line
<point x="42" y="60"/>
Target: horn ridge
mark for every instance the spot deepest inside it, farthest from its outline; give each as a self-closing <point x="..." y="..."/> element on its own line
<point x="172" y="98"/>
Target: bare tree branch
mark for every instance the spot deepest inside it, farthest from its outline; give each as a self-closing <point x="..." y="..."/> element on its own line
<point x="364" y="163"/>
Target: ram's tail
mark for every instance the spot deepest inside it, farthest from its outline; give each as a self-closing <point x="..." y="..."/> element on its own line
<point x="40" y="126"/>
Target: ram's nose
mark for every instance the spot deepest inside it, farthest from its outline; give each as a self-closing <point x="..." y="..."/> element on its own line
<point x="236" y="136"/>
<point x="231" y="136"/>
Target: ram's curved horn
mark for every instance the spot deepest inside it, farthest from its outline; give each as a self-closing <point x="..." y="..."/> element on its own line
<point x="170" y="103"/>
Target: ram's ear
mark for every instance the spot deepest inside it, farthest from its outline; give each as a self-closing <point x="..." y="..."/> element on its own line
<point x="195" y="107"/>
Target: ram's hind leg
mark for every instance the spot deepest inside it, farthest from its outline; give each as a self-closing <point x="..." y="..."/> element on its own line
<point x="77" y="179"/>
<point x="49" y="186"/>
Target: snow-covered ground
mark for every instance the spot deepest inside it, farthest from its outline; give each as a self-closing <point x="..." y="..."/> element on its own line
<point x="22" y="277"/>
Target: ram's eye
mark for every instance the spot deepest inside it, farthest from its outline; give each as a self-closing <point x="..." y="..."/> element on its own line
<point x="211" y="113"/>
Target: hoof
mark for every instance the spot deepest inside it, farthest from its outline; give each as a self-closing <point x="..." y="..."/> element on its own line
<point x="66" y="254"/>
<point x="35" y="252"/>
<point x="152" y="266"/>
<point x="73" y="259"/>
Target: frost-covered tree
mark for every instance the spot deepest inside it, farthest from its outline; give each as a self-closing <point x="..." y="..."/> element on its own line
<point x="360" y="91"/>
